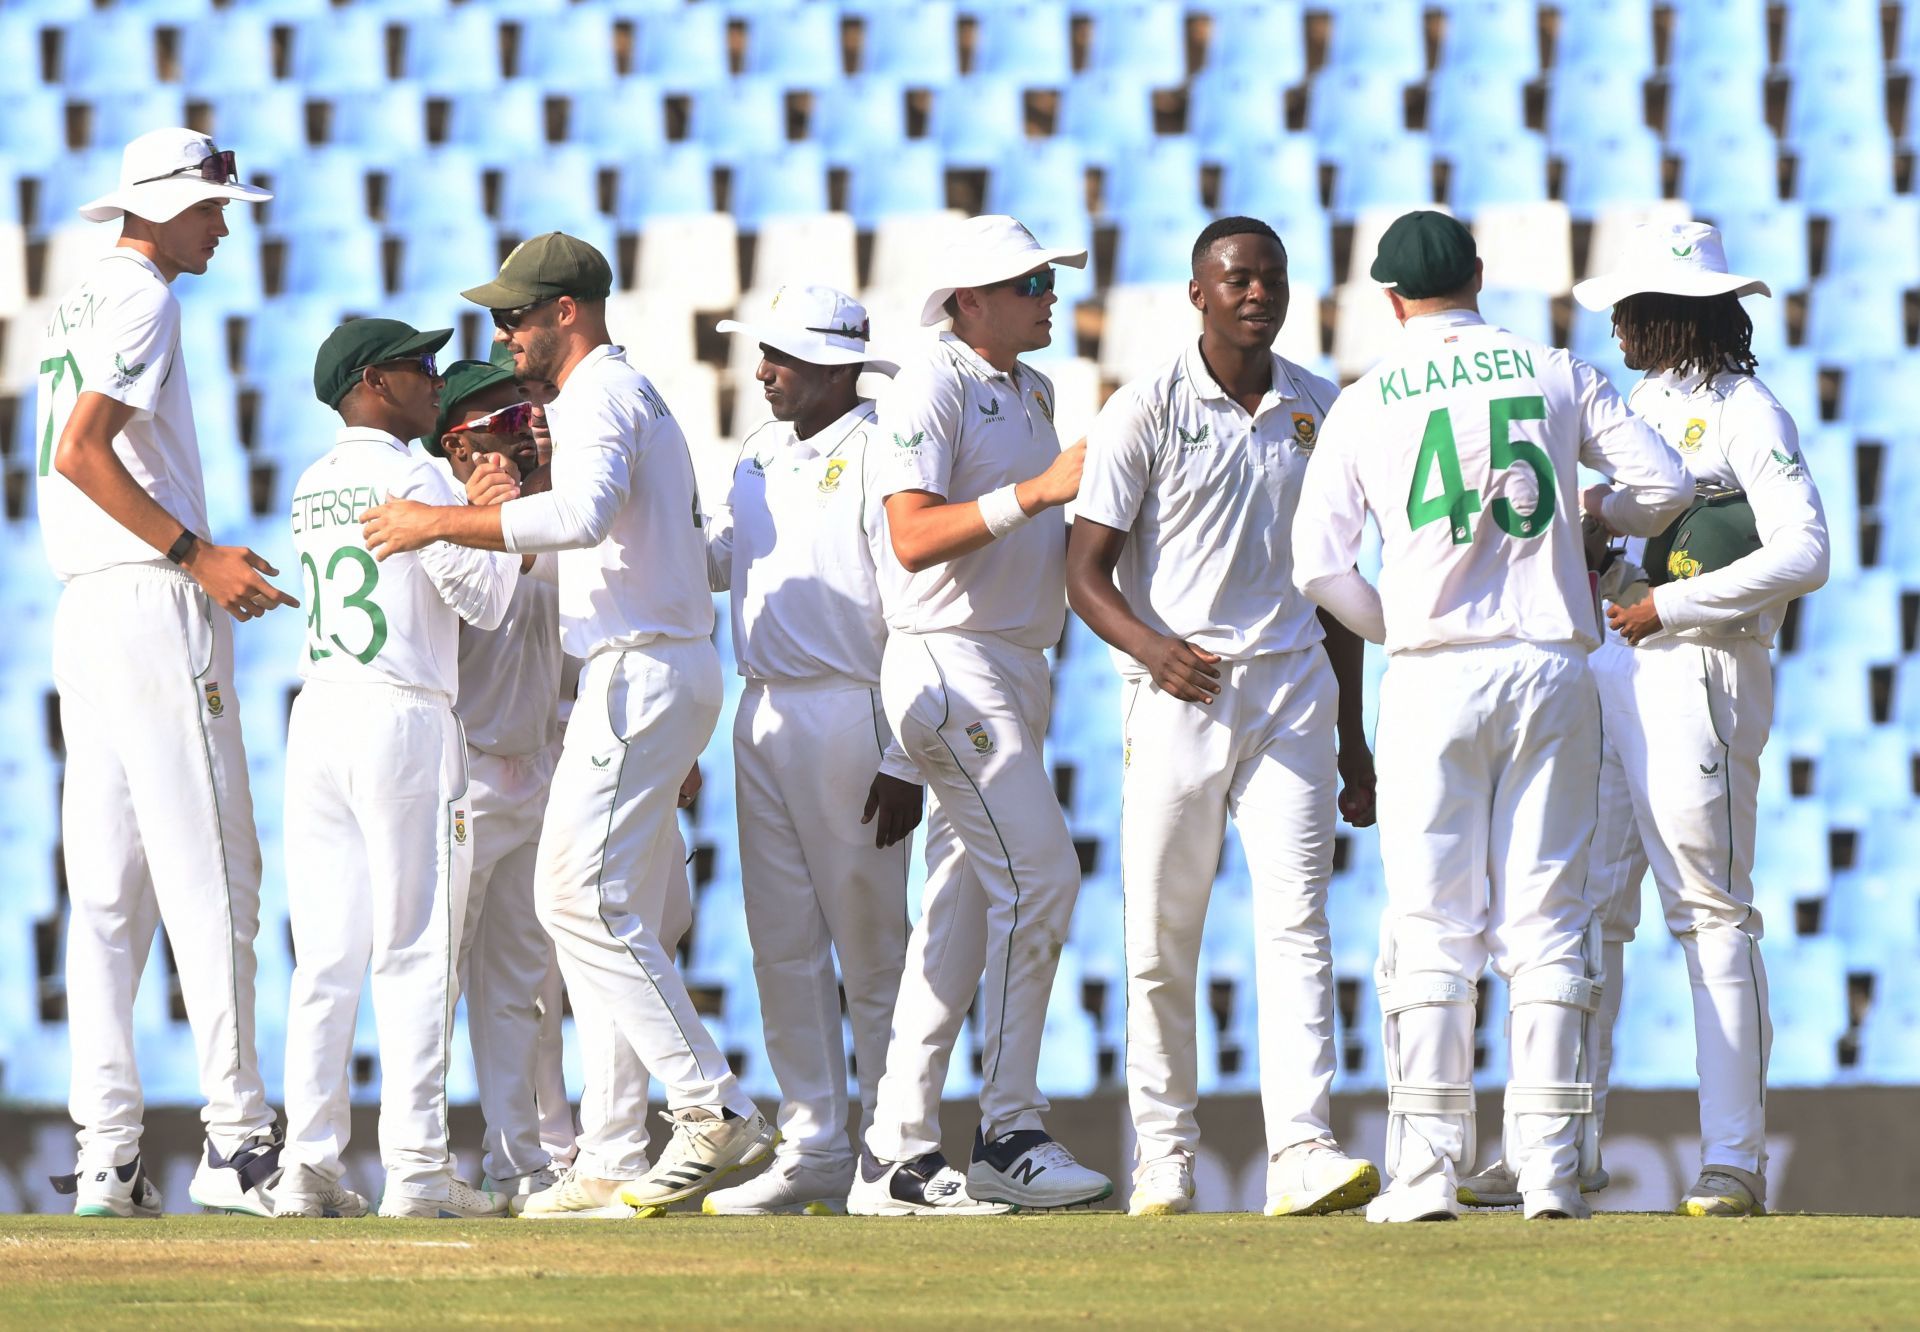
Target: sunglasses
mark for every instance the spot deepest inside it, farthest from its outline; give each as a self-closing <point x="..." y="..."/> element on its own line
<point x="863" y="331"/>
<point x="1031" y="285"/>
<point x="508" y="320"/>
<point x="509" y="420"/>
<point x="216" y="168"/>
<point x="424" y="363"/>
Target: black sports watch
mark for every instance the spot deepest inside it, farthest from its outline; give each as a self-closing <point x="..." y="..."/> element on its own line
<point x="182" y="546"/>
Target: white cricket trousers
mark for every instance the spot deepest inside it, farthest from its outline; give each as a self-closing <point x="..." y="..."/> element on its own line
<point x="157" y="828"/>
<point x="559" y="1131"/>
<point x="379" y="842"/>
<point x="971" y="711"/>
<point x="1690" y="718"/>
<point x="504" y="953"/>
<point x="1616" y="869"/>
<point x="804" y="756"/>
<point x="1487" y="758"/>
<point x="611" y="866"/>
<point x="1262" y="751"/>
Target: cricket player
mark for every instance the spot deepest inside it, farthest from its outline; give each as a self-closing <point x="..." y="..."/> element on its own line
<point x="156" y="808"/>
<point x="973" y="478"/>
<point x="1233" y="685"/>
<point x="508" y="705"/>
<point x="1686" y="685"/>
<point x="634" y="603"/>
<point x="798" y="542"/>
<point x="1462" y="445"/>
<point x="379" y="825"/>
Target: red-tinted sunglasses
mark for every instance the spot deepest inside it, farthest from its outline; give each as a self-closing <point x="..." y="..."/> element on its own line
<point x="216" y="168"/>
<point x="509" y="420"/>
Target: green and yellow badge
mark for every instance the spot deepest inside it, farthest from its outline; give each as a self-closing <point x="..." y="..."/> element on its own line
<point x="1691" y="437"/>
<point x="214" y="706"/>
<point x="1306" y="431"/>
<point x="831" y="481"/>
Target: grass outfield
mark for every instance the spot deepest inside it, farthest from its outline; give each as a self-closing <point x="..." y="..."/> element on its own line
<point x="1098" y="1269"/>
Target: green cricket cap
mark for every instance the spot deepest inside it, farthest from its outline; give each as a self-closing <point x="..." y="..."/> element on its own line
<point x="464" y="379"/>
<point x="359" y="343"/>
<point x="548" y="265"/>
<point x="1424" y="254"/>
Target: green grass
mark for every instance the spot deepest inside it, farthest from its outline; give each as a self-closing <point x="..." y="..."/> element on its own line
<point x="1096" y="1269"/>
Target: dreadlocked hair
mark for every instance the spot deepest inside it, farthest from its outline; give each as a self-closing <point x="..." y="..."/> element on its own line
<point x="1708" y="335"/>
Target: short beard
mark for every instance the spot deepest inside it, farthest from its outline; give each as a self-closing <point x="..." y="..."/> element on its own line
<point x="543" y="355"/>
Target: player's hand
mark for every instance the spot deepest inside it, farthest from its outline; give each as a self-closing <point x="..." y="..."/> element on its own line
<point x="1635" y="623"/>
<point x="1358" y="791"/>
<point x="1183" y="670"/>
<point x="494" y="480"/>
<point x="236" y="579"/>
<point x="542" y="437"/>
<point x="398" y="526"/>
<point x="1061" y="481"/>
<point x="690" y="788"/>
<point x="896" y="804"/>
<point x="1590" y="501"/>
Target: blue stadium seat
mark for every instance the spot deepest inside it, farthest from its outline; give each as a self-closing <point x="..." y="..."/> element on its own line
<point x="1592" y="340"/>
<point x="1854" y="318"/>
<point x="1880" y="241"/>
<point x="81" y="176"/>
<point x="1722" y="171"/>
<point x="1493" y="35"/>
<point x="1109" y="115"/>
<point x="1900" y="498"/>
<point x="1528" y="313"/>
<point x="570" y="50"/>
<point x="281" y="339"/>
<point x="20" y="48"/>
<point x="1468" y="105"/>
<point x="746" y="117"/>
<point x="1590" y="102"/>
<point x="1381" y="36"/>
<point x="456" y="50"/>
<point x="498" y="125"/>
<point x="1816" y="31"/>
<point x="1613" y="34"/>
<point x="1871" y="773"/>
<point x="913" y="44"/>
<point x="684" y="48"/>
<point x="1510" y="168"/>
<point x="232" y="283"/>
<point x="108" y="52"/>
<point x="1233" y="114"/>
<point x="1039" y="175"/>
<point x="1837" y="92"/>
<point x="977" y="120"/>
<point x="225" y="52"/>
<point x="1392" y="171"/>
<point x="1890" y="1032"/>
<point x="1160" y="177"/>
<point x="1157" y="248"/>
<point x="1906" y="697"/>
<point x="388" y="125"/>
<point x="1143" y="41"/>
<point x="339" y="260"/>
<point x="1906" y="53"/>
<point x="1620" y="168"/>
<point x="793" y="180"/>
<point x="674" y="178"/>
<point x="796" y="46"/>
<point x="1793" y="373"/>
<point x="1807" y="998"/>
<point x="343" y="52"/>
<point x="1844" y="168"/>
<point x="1880" y="398"/>
<point x="438" y="188"/>
<point x="1830" y="457"/>
<point x="119" y="117"/>
<point x="1354" y="106"/>
<point x="612" y="122"/>
<point x="910" y="178"/>
<point x="1653" y="1039"/>
<point x="1026" y="41"/>
<point x="1258" y="39"/>
<point x="33" y="128"/>
<point x="1706" y="32"/>
<point x="1857" y="620"/>
<point x="861" y="120"/>
<point x="1718" y="99"/>
<point x="264" y="127"/>
<point x="447" y="256"/>
<point x="544" y="192"/>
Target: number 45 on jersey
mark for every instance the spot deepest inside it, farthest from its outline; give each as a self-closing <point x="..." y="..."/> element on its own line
<point x="1455" y="503"/>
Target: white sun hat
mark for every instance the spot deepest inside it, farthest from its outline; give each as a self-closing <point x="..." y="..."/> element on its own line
<point x="164" y="172"/>
<point x="818" y="325"/>
<point x="1673" y="258"/>
<point x="985" y="250"/>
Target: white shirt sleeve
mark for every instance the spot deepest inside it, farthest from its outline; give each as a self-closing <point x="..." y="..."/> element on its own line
<point x="718" y="532"/>
<point x="1763" y="448"/>
<point x="592" y="478"/>
<point x="919" y="419"/>
<point x="1119" y="461"/>
<point x="546" y="568"/>
<point x="134" y="349"/>
<point x="895" y="763"/>
<point x="1327" y="526"/>
<point x="1651" y="483"/>
<point x="477" y="584"/>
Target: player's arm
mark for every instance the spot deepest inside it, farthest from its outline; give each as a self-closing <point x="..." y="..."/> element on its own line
<point x="477" y="584"/>
<point x="1347" y="651"/>
<point x="718" y="532"/>
<point x="1651" y="485"/>
<point x="1177" y="666"/>
<point x="928" y="529"/>
<point x="1327" y="526"/>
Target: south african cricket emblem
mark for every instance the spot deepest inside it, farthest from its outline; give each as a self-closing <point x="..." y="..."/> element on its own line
<point x="982" y="742"/>
<point x="1046" y="408"/>
<point x="460" y="827"/>
<point x="831" y="481"/>
<point x="214" y="705"/>
<point x="1306" y="431"/>
<point x="1691" y="437"/>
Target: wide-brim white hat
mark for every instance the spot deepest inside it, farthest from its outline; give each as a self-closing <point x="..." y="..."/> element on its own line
<point x="985" y="250"/>
<point x="160" y="179"/>
<point x="818" y="325"/>
<point x="1672" y="258"/>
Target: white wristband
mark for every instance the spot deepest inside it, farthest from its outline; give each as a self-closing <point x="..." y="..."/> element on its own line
<point x="1001" y="510"/>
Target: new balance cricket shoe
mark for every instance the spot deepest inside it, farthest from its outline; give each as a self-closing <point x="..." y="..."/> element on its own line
<point x="705" y="1146"/>
<point x="122" y="1190"/>
<point x="1316" y="1178"/>
<point x="1163" y="1186"/>
<point x="791" y="1185"/>
<point x="1029" y="1170"/>
<point x="1497" y="1185"/>
<point x="239" y="1183"/>
<point x="1563" y="1203"/>
<point x="923" y="1186"/>
<point x="1725" y="1191"/>
<point x="1430" y="1200"/>
<point x="301" y="1192"/>
<point x="461" y="1202"/>
<point x="573" y="1196"/>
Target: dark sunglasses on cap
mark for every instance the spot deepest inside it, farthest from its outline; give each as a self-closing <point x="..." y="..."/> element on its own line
<point x="508" y="320"/>
<point x="1030" y="285"/>
<point x="216" y="168"/>
<point x="424" y="363"/>
<point x="509" y="420"/>
<point x="863" y="331"/>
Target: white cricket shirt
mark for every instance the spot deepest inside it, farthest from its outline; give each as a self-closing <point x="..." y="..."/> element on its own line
<point x="510" y="674"/>
<point x="624" y="513"/>
<point x="952" y="425"/>
<point x="1207" y="494"/>
<point x="392" y="621"/>
<point x="117" y="333"/>
<point x="1463" y="444"/>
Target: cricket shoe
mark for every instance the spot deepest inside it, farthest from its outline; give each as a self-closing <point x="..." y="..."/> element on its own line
<point x="1316" y="1178"/>
<point x="239" y="1183"/>
<point x="301" y="1191"/>
<point x="791" y="1185"/>
<point x="1029" y="1170"/>
<point x="923" y="1186"/>
<point x="1163" y="1186"/>
<point x="574" y="1195"/>
<point x="704" y="1147"/>
<point x="521" y="1186"/>
<point x="122" y="1190"/>
<point x="1430" y="1200"/>
<point x="1562" y="1203"/>
<point x="1724" y="1191"/>
<point x="461" y="1202"/>
<point x="1497" y="1186"/>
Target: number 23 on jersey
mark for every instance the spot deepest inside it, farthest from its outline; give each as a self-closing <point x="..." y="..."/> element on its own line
<point x="1456" y="504"/>
<point x="341" y="599"/>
